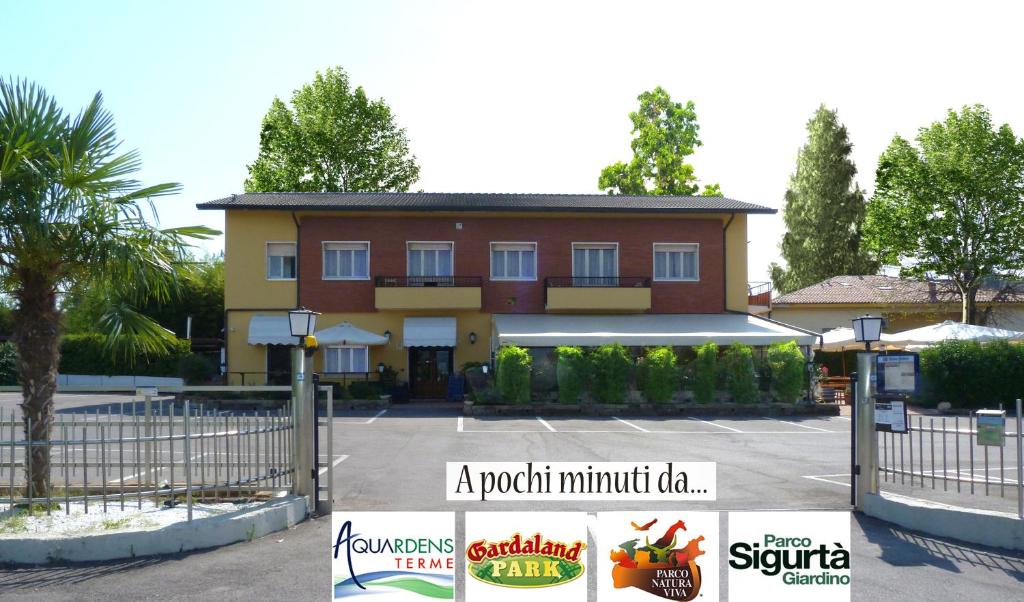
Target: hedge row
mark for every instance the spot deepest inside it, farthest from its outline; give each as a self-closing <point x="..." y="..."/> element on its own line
<point x="971" y="375"/>
<point x="87" y="354"/>
<point x="608" y="372"/>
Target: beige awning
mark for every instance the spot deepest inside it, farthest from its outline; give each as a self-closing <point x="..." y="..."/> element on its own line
<point x="428" y="332"/>
<point x="270" y="330"/>
<point x="683" y="330"/>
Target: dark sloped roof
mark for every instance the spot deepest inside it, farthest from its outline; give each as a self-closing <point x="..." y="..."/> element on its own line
<point x="466" y="201"/>
<point x="891" y="290"/>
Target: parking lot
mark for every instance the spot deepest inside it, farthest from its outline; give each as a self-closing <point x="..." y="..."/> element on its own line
<point x="394" y="460"/>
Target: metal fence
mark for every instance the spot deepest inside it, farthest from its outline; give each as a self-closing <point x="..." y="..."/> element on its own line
<point x="158" y="451"/>
<point x="942" y="453"/>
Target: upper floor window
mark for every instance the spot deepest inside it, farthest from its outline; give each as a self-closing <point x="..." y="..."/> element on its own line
<point x="280" y="261"/>
<point x="674" y="261"/>
<point x="595" y="264"/>
<point x="346" y="260"/>
<point x="346" y="359"/>
<point x="431" y="259"/>
<point x="513" y="261"/>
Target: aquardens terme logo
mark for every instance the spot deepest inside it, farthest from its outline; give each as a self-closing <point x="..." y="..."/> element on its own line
<point x="789" y="556"/>
<point x="393" y="556"/>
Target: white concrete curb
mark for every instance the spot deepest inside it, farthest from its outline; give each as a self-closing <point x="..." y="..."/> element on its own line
<point x="209" y="532"/>
<point x="985" y="527"/>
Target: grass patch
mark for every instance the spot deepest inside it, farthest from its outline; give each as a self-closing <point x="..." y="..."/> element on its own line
<point x="17" y="523"/>
<point x="112" y="524"/>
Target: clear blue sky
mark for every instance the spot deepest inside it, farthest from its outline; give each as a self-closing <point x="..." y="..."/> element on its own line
<point x="521" y="96"/>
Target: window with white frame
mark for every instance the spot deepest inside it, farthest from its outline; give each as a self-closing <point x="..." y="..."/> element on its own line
<point x="595" y="264"/>
<point x="343" y="358"/>
<point x="675" y="261"/>
<point x="513" y="261"/>
<point x="280" y="261"/>
<point x="346" y="260"/>
<point x="430" y="258"/>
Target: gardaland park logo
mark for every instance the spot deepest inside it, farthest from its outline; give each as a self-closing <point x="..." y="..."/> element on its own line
<point x="660" y="567"/>
<point x="525" y="562"/>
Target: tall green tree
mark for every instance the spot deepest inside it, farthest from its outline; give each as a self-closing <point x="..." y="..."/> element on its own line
<point x="824" y="210"/>
<point x="70" y="214"/>
<point x="664" y="134"/>
<point x="332" y="139"/>
<point x="953" y="206"/>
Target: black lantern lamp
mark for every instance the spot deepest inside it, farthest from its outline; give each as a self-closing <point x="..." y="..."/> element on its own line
<point x="302" y="323"/>
<point x="867" y="330"/>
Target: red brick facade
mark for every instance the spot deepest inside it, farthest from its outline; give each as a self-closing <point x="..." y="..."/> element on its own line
<point x="554" y="238"/>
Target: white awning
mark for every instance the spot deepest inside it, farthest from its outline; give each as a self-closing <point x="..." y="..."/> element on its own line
<point x="428" y="332"/>
<point x="347" y="334"/>
<point x="952" y="331"/>
<point x="684" y="330"/>
<point x="270" y="330"/>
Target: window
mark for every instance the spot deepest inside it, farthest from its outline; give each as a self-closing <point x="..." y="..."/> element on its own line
<point x="280" y="261"/>
<point x="513" y="261"/>
<point x="347" y="260"/>
<point x="430" y="259"/>
<point x="346" y="359"/>
<point x="595" y="264"/>
<point x="675" y="261"/>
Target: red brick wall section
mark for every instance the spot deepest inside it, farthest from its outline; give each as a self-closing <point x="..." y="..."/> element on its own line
<point x="554" y="238"/>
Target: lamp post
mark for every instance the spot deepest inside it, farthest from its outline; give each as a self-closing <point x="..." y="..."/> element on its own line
<point x="864" y="475"/>
<point x="302" y="325"/>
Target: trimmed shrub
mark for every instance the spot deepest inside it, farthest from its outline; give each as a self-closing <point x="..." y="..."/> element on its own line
<point x="8" y="364"/>
<point x="705" y="373"/>
<point x="740" y="380"/>
<point x="196" y="369"/>
<point x="610" y="368"/>
<point x="513" y="374"/>
<point x="361" y="389"/>
<point x="971" y="375"/>
<point x="660" y="374"/>
<point x="571" y="372"/>
<point x="88" y="354"/>
<point x="788" y="375"/>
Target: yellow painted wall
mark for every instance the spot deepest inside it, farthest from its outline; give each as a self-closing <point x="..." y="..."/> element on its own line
<point x="245" y="259"/>
<point x="243" y="357"/>
<point x="426" y="297"/>
<point x="736" y="264"/>
<point x="599" y="299"/>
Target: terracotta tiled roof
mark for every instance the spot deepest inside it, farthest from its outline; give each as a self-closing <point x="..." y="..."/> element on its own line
<point x="465" y="201"/>
<point x="890" y="290"/>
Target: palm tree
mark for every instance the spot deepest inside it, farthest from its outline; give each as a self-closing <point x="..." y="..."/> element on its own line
<point x="71" y="216"/>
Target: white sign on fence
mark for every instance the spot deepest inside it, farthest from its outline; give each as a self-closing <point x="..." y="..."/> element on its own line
<point x="146" y="391"/>
<point x="891" y="416"/>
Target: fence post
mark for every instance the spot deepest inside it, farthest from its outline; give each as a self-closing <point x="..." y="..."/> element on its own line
<point x="1020" y="466"/>
<point x="867" y="438"/>
<point x="148" y="420"/>
<point x="188" y="459"/>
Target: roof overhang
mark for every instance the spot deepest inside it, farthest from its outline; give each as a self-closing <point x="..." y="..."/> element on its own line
<point x="683" y="330"/>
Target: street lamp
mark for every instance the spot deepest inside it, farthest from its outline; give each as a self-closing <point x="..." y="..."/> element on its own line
<point x="302" y="322"/>
<point x="867" y="330"/>
<point x="302" y="325"/>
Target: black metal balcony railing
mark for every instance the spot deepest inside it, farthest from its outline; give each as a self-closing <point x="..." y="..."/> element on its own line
<point x="425" y="281"/>
<point x="597" y="281"/>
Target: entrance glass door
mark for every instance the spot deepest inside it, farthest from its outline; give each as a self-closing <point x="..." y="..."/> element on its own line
<point x="430" y="368"/>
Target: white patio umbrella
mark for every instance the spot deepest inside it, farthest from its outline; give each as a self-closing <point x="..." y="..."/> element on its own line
<point x="952" y="331"/>
<point x="842" y="339"/>
<point x="347" y="334"/>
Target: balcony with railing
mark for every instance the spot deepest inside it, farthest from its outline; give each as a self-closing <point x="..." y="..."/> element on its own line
<point x="759" y="297"/>
<point x="427" y="292"/>
<point x="627" y="294"/>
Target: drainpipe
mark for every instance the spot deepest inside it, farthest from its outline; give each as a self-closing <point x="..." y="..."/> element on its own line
<point x="298" y="255"/>
<point x="725" y="264"/>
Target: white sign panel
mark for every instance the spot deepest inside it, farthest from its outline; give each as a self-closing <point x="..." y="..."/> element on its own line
<point x="891" y="416"/>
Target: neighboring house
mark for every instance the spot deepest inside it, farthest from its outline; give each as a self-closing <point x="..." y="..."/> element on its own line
<point x="903" y="303"/>
<point x="447" y="278"/>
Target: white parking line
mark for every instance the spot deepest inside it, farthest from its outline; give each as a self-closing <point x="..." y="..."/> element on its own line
<point x="337" y="461"/>
<point x="843" y="417"/>
<point x="821" y="477"/>
<point x="545" y="423"/>
<point x="369" y="421"/>
<point x="718" y="425"/>
<point x="628" y="423"/>
<point x="813" y="428"/>
<point x="460" y="424"/>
